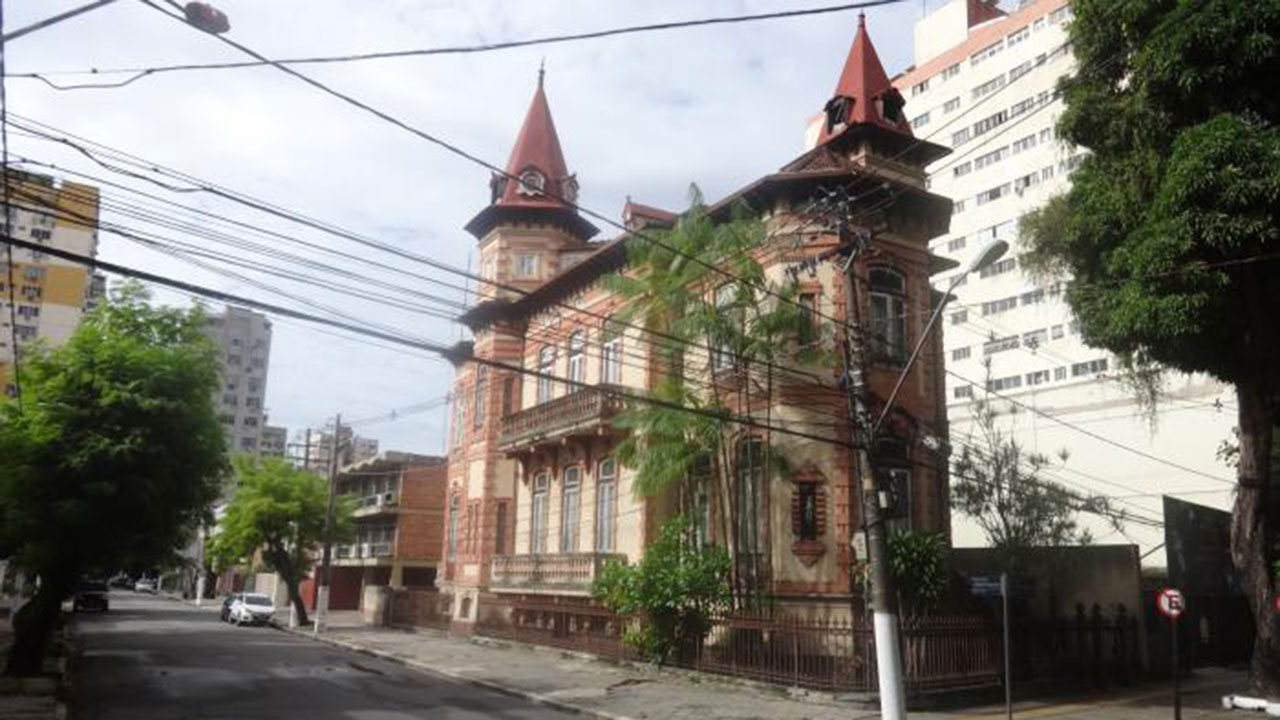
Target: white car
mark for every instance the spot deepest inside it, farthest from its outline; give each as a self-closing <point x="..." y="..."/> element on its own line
<point x="251" y="609"/>
<point x="145" y="585"/>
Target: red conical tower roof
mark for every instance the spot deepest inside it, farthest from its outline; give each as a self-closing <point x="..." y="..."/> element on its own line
<point x="537" y="150"/>
<point x="537" y="185"/>
<point x="869" y="97"/>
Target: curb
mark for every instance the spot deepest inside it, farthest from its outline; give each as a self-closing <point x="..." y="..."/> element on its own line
<point x="507" y="690"/>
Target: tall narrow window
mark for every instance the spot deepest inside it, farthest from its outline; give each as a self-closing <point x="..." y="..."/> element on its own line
<point x="500" y="529"/>
<point x="889" y="314"/>
<point x="459" y="418"/>
<point x="538" y="514"/>
<point x="546" y="366"/>
<point x="454" y="503"/>
<point x="610" y="355"/>
<point x="808" y="330"/>
<point x="577" y="361"/>
<point x="606" y="491"/>
<point x="807" y="521"/>
<point x="478" y="401"/>
<point x="722" y="357"/>
<point x="570" y="509"/>
<point x="750" y="480"/>
<point x="508" y="395"/>
<point x="894" y="480"/>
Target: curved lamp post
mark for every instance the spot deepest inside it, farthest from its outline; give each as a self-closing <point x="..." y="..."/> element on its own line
<point x="989" y="253"/>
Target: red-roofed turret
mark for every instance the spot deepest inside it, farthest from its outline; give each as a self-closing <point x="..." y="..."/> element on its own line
<point x="864" y="95"/>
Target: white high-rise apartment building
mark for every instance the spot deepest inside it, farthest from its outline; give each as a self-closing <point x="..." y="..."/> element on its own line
<point x="243" y="338"/>
<point x="983" y="83"/>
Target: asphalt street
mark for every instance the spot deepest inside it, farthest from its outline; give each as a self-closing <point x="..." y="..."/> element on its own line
<point x="152" y="658"/>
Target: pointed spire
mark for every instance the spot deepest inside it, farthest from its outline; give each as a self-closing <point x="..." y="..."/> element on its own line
<point x="864" y="94"/>
<point x="538" y="159"/>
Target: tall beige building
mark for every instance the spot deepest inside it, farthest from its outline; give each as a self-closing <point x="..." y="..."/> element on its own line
<point x="50" y="294"/>
<point x="243" y="338"/>
<point x="983" y="82"/>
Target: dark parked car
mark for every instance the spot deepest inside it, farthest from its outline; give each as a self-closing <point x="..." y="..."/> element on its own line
<point x="90" y="595"/>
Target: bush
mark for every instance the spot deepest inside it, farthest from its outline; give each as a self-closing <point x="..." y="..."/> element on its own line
<point x="676" y="588"/>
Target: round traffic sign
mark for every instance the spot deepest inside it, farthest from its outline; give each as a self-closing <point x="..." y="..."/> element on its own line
<point x="1171" y="602"/>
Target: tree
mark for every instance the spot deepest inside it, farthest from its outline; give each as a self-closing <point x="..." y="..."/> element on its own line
<point x="721" y="328"/>
<point x="280" y="510"/>
<point x="677" y="588"/>
<point x="999" y="485"/>
<point x="1172" y="223"/>
<point x="114" y="455"/>
<point x="918" y="561"/>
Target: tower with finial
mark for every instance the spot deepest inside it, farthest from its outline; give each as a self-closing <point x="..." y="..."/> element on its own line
<point x="524" y="233"/>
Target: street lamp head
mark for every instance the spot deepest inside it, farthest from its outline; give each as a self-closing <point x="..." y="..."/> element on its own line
<point x="988" y="254"/>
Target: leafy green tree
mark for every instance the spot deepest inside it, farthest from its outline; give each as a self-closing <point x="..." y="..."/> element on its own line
<point x="278" y="509"/>
<point x="918" y="561"/>
<point x="721" y="327"/>
<point x="116" y="453"/>
<point x="1172" y="225"/>
<point x="677" y="588"/>
<point x="998" y="485"/>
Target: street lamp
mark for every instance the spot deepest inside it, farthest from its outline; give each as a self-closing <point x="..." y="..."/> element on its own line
<point x="989" y="253"/>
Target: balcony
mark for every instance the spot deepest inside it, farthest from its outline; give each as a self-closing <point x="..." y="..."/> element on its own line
<point x="361" y="553"/>
<point x="570" y="573"/>
<point x="376" y="504"/>
<point x="584" y="412"/>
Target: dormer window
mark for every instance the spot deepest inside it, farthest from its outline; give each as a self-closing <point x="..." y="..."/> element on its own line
<point x="837" y="110"/>
<point x="569" y="189"/>
<point x="891" y="107"/>
<point x="532" y="183"/>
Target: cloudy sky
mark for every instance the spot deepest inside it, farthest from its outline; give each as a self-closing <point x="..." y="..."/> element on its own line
<point x="640" y="115"/>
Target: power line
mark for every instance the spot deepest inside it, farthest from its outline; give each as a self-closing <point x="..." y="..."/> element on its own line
<point x="139" y="73"/>
<point x="292" y="216"/>
<point x="428" y="345"/>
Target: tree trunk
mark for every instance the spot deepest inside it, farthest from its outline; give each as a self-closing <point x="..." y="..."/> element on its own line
<point x="295" y="597"/>
<point x="289" y="571"/>
<point x="33" y="626"/>
<point x="1251" y="535"/>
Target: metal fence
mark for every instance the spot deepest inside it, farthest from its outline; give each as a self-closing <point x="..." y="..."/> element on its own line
<point x="939" y="652"/>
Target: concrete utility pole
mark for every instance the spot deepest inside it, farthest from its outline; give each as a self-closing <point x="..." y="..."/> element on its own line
<point x="322" y="595"/>
<point x="884" y="598"/>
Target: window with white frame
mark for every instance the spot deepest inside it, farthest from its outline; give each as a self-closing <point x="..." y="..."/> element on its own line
<point x="1022" y="107"/>
<point x="1039" y="377"/>
<point x="611" y="355"/>
<point x="1091" y="367"/>
<point x="962" y="391"/>
<point x="920" y="88"/>
<point x="988" y="87"/>
<point x="920" y="120"/>
<point x="452" y="530"/>
<point x="1024" y="144"/>
<point x="570" y="508"/>
<point x="962" y="169"/>
<point x="1003" y="305"/>
<point x="722" y="357"/>
<point x="990" y="122"/>
<point x="950" y="71"/>
<point x="993" y="194"/>
<point x="986" y="53"/>
<point x="951" y="105"/>
<point x="960" y="353"/>
<point x="527" y="265"/>
<point x="577" y="358"/>
<point x="546" y="369"/>
<point x="955" y="244"/>
<point x="538" y="514"/>
<point x="1017" y="36"/>
<point x="606" y="501"/>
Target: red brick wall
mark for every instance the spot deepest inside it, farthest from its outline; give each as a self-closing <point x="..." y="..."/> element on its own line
<point x="420" y="534"/>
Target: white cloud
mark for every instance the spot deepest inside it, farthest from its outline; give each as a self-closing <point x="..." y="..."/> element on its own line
<point x="642" y="115"/>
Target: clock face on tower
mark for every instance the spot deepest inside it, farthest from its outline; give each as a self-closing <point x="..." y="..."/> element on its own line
<point x="532" y="183"/>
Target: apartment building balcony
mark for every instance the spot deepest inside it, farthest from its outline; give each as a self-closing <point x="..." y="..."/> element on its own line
<point x="583" y="413"/>
<point x="566" y="574"/>
<point x="386" y="503"/>
<point x="363" y="554"/>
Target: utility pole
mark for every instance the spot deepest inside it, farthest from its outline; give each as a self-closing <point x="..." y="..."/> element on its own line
<point x="884" y="598"/>
<point x="306" y="452"/>
<point x="322" y="595"/>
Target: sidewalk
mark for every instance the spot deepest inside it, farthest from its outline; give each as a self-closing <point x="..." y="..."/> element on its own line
<point x="25" y="698"/>
<point x="604" y="690"/>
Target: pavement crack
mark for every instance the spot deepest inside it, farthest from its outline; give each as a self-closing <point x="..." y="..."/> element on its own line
<point x="362" y="668"/>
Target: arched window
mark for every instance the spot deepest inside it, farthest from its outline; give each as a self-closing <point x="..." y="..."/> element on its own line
<point x="888" y="314"/>
<point x="611" y="353"/>
<point x="750" y="477"/>
<point x="606" y="491"/>
<point x="538" y="514"/>
<point x="570" y="509"/>
<point x="893" y="468"/>
<point x="577" y="361"/>
<point x="546" y="366"/>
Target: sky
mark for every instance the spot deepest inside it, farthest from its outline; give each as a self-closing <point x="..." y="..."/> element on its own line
<point x="639" y="116"/>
